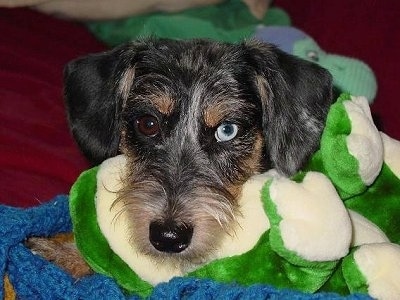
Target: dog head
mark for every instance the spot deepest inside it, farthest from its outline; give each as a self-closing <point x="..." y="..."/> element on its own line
<point x="196" y="119"/>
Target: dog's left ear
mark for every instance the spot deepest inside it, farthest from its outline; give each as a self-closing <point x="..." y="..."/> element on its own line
<point x="295" y="96"/>
<point x="96" y="87"/>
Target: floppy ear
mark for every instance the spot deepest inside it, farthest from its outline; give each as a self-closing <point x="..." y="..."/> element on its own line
<point x="295" y="95"/>
<point x="95" y="89"/>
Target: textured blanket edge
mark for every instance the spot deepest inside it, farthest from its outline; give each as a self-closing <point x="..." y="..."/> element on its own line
<point x="35" y="278"/>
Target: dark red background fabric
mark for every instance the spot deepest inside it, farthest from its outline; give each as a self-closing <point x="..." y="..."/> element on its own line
<point x="38" y="158"/>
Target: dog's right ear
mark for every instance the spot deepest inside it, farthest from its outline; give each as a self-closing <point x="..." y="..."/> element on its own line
<point x="295" y="96"/>
<point x="95" y="88"/>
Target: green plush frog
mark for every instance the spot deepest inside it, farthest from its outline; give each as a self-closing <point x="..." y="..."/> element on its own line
<point x="334" y="226"/>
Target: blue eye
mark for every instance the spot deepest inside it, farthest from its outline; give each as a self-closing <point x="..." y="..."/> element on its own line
<point x="226" y="131"/>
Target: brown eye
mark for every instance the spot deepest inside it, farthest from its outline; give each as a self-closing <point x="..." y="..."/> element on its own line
<point x="148" y="125"/>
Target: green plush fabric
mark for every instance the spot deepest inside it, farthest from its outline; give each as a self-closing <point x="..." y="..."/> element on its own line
<point x="336" y="282"/>
<point x="355" y="280"/>
<point x="347" y="278"/>
<point x="263" y="265"/>
<point x="90" y="241"/>
<point x="333" y="157"/>
<point x="229" y="21"/>
<point x="382" y="196"/>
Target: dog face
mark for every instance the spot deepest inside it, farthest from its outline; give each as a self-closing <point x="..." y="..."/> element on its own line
<point x="195" y="119"/>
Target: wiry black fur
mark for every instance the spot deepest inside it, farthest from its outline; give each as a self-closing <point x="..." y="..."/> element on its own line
<point x="291" y="115"/>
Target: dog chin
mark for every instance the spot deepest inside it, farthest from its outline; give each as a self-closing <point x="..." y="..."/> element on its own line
<point x="185" y="262"/>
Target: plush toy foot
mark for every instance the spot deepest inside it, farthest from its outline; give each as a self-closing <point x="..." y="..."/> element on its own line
<point x="305" y="218"/>
<point x="377" y="272"/>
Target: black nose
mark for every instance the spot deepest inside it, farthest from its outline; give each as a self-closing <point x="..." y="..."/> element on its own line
<point x="170" y="237"/>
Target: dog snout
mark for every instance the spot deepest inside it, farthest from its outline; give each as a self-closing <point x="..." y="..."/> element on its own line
<point x="170" y="237"/>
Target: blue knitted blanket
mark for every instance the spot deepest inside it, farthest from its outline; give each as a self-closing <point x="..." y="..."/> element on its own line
<point x="35" y="278"/>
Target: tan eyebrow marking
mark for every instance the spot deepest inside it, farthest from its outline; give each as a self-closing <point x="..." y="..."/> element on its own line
<point x="163" y="103"/>
<point x="217" y="112"/>
<point x="214" y="114"/>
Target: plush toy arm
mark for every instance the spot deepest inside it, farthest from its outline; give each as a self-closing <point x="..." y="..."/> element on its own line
<point x="351" y="149"/>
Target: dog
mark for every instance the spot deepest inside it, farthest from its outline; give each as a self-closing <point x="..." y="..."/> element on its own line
<point x="195" y="119"/>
